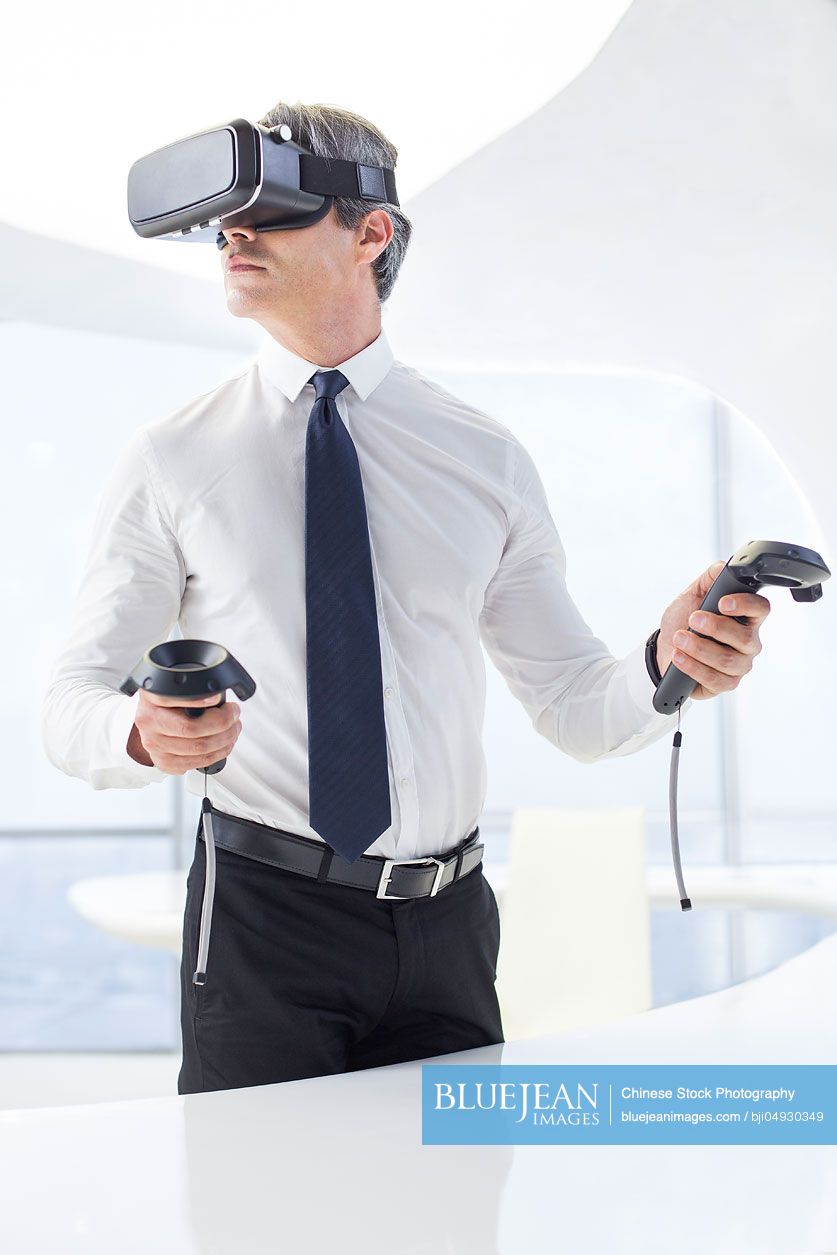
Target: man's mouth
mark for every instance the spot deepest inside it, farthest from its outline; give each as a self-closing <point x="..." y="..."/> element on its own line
<point x="239" y="263"/>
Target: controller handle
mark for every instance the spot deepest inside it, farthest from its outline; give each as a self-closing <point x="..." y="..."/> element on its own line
<point x="750" y="568"/>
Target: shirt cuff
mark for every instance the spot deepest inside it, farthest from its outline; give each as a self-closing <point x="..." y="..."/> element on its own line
<point x="111" y="765"/>
<point x="641" y="686"/>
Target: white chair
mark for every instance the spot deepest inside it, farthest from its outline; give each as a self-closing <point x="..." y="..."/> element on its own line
<point x="575" y="946"/>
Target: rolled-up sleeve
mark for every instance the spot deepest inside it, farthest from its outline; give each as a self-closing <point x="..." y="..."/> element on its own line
<point x="128" y="600"/>
<point x="578" y="695"/>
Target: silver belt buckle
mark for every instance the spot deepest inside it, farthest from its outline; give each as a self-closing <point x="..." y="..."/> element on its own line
<point x="386" y="872"/>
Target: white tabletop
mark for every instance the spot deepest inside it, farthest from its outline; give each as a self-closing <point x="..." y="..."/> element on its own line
<point x="147" y="907"/>
<point x="336" y="1164"/>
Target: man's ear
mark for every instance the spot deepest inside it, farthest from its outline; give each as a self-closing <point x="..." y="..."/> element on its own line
<point x="376" y="229"/>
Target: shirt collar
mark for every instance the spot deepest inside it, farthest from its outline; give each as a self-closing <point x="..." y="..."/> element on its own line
<point x="289" y="372"/>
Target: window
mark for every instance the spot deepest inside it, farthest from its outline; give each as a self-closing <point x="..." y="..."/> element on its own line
<point x="650" y="479"/>
<point x="72" y="401"/>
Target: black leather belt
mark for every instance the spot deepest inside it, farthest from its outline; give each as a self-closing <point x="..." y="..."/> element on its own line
<point x="385" y="877"/>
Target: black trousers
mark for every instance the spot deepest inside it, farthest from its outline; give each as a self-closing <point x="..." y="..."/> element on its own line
<point x="306" y="978"/>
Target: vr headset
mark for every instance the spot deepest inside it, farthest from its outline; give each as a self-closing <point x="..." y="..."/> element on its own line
<point x="242" y="174"/>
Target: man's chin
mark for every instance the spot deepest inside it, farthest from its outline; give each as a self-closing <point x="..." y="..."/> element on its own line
<point x="240" y="305"/>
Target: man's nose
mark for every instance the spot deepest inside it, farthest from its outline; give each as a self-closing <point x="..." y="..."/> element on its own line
<point x="241" y="233"/>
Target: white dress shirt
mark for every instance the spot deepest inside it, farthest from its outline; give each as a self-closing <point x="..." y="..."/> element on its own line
<point x="201" y="523"/>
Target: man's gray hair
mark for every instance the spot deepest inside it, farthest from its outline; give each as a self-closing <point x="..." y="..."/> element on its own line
<point x="328" y="131"/>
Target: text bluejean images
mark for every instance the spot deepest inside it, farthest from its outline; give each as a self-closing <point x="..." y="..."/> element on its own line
<point x="721" y="1104"/>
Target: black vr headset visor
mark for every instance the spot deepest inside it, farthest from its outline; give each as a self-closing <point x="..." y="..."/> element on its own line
<point x="242" y="174"/>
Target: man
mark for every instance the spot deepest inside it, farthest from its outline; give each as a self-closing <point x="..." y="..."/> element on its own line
<point x="351" y="923"/>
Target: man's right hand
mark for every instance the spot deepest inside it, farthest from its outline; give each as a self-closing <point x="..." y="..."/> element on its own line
<point x="165" y="737"/>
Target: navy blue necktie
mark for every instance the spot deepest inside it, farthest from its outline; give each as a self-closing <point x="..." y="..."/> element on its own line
<point x="348" y="780"/>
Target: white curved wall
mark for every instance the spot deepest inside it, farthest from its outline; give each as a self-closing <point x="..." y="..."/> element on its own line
<point x="672" y="209"/>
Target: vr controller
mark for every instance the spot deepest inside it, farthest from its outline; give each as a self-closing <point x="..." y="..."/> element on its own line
<point x="243" y="174"/>
<point x="758" y="564"/>
<point x="191" y="669"/>
<point x="755" y="565"/>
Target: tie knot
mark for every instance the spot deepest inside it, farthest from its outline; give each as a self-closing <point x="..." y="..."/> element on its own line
<point x="327" y="383"/>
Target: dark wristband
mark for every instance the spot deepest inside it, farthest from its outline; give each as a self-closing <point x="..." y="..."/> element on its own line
<point x="651" y="657"/>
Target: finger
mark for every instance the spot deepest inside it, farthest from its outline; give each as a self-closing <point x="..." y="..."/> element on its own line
<point x="689" y="667"/>
<point x="183" y="723"/>
<point x="751" y="605"/>
<point x="704" y="582"/>
<point x="726" y="630"/>
<point x="711" y="680"/>
<point x="191" y="747"/>
<point x="713" y="659"/>
<point x="161" y="699"/>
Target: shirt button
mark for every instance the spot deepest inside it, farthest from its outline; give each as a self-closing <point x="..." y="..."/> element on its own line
<point x="404" y="782"/>
<point x="387" y="692"/>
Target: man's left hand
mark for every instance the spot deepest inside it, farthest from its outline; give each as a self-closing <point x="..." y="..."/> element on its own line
<point x="717" y="664"/>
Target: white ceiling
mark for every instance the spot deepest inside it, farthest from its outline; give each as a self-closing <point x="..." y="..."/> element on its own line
<point x="87" y="88"/>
